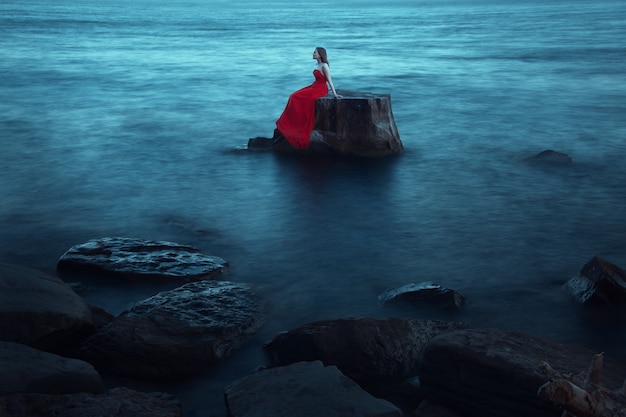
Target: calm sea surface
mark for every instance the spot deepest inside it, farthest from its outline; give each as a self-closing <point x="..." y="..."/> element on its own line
<point x="131" y="119"/>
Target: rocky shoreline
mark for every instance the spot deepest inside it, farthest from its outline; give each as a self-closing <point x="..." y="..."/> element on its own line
<point x="54" y="347"/>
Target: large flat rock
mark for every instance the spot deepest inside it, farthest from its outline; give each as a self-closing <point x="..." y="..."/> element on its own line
<point x="303" y="389"/>
<point x="141" y="259"/>
<point x="178" y="332"/>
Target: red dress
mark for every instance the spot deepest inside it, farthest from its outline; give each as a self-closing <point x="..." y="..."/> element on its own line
<point x="296" y="122"/>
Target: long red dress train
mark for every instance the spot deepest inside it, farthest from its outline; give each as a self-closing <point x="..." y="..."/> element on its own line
<point x="296" y="122"/>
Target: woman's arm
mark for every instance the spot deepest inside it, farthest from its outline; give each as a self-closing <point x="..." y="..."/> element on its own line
<point x="326" y="72"/>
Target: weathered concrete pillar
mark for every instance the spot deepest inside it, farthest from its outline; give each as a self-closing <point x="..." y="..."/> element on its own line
<point x="359" y="124"/>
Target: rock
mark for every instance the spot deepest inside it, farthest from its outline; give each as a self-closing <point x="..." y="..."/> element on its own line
<point x="600" y="282"/>
<point x="305" y="389"/>
<point x="364" y="349"/>
<point x="551" y="157"/>
<point x="261" y="143"/>
<point x="428" y="409"/>
<point x="39" y="310"/>
<point x="489" y="373"/>
<point x="178" y="332"/>
<point x="117" y="402"/>
<point x="28" y="370"/>
<point x="359" y="124"/>
<point x="100" y="317"/>
<point x="141" y="259"/>
<point x="424" y="292"/>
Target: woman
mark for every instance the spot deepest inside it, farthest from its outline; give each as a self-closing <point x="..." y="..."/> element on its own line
<point x="296" y="122"/>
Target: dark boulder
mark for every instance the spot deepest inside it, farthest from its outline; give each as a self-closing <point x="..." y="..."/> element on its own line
<point x="178" y="332"/>
<point x="381" y="355"/>
<point x="429" y="409"/>
<point x="600" y="283"/>
<point x="140" y="259"/>
<point x="496" y="373"/>
<point x="100" y="317"/>
<point x="424" y="292"/>
<point x="117" y="402"/>
<point x="359" y="124"/>
<point x="28" y="370"/>
<point x="40" y="310"/>
<point x="364" y="349"/>
<point x="304" y="389"/>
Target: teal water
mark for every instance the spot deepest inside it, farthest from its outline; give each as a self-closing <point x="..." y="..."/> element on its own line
<point x="123" y="119"/>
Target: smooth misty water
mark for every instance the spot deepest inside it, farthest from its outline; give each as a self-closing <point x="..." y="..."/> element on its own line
<point x="122" y="119"/>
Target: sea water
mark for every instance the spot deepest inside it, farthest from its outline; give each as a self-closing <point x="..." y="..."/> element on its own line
<point x="131" y="119"/>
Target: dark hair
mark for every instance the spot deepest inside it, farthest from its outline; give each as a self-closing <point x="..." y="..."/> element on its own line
<point x="322" y="53"/>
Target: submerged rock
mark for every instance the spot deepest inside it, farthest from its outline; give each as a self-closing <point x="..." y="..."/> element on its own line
<point x="551" y="157"/>
<point x="359" y="124"/>
<point x="178" y="332"/>
<point x="424" y="292"/>
<point x="600" y="282"/>
<point x="139" y="258"/>
<point x="40" y="310"/>
<point x="304" y="389"/>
